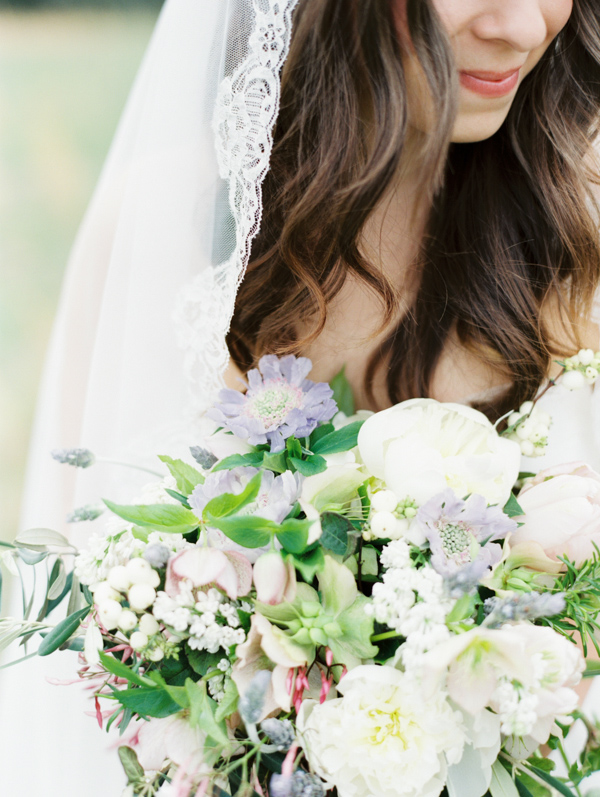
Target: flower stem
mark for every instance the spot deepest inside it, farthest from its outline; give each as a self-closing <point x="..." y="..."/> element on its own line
<point x="130" y="465"/>
<point x="385" y="635"/>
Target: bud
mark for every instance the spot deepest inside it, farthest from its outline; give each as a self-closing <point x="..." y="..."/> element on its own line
<point x="280" y="732"/>
<point x="274" y="578"/>
<point x="206" y="459"/>
<point x="87" y="512"/>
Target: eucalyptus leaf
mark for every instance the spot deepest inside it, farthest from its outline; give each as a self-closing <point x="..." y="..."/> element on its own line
<point x="341" y="440"/>
<point x="60" y="633"/>
<point x="342" y="392"/>
<point x="41" y="538"/>
<point x="168" y="518"/>
<point x="186" y="476"/>
<point x="338" y="534"/>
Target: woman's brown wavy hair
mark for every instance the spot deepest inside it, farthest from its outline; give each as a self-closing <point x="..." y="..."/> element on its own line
<point x="513" y="221"/>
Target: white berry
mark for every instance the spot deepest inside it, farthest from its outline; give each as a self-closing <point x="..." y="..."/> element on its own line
<point x="155" y="655"/>
<point x="384" y="524"/>
<point x="140" y="596"/>
<point x="384" y="501"/>
<point x="109" y="612"/>
<point x="118" y="578"/>
<point x="586" y="356"/>
<point x="149" y="624"/>
<point x="527" y="448"/>
<point x="514" y="418"/>
<point x="526" y="407"/>
<point x="127" y="621"/>
<point x="138" y="640"/>
<point x="103" y="591"/>
<point x="573" y="380"/>
<point x="141" y="572"/>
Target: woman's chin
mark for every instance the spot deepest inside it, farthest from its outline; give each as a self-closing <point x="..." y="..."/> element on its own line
<point x="474" y="126"/>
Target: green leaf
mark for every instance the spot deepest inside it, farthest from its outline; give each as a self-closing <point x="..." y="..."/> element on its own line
<point x="502" y="784"/>
<point x="31" y="557"/>
<point x="293" y="447"/>
<point x="178" y="497"/>
<point x="201" y="661"/>
<point x="38" y="539"/>
<point x="147" y="701"/>
<point x="179" y="695"/>
<point x="52" y="604"/>
<point x="273" y="761"/>
<point x="310" y="563"/>
<point x="553" y="782"/>
<point x="202" y="712"/>
<point x="321" y="431"/>
<point x="338" y="534"/>
<point x="309" y="466"/>
<point x="228" y="503"/>
<point x="342" y="392"/>
<point x="60" y="633"/>
<point x="276" y="462"/>
<point x="185" y="475"/>
<point x="58" y="580"/>
<point x="121" y="670"/>
<point x="512" y="508"/>
<point x="250" y="531"/>
<point x="293" y="534"/>
<point x="163" y="517"/>
<point x="522" y="789"/>
<point x="133" y="769"/>
<point x="229" y="701"/>
<point x="253" y="460"/>
<point x="341" y="440"/>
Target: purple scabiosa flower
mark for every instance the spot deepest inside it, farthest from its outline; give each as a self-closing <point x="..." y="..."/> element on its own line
<point x="280" y="402"/>
<point x="275" y="500"/>
<point x="461" y="533"/>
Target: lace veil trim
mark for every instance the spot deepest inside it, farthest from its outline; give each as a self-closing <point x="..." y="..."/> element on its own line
<point x="246" y="110"/>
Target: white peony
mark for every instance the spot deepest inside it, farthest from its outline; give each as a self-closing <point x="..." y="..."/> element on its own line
<point x="420" y="447"/>
<point x="382" y="738"/>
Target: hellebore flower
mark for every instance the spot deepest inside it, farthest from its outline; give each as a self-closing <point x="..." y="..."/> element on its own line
<point x="228" y="570"/>
<point x="280" y="402"/>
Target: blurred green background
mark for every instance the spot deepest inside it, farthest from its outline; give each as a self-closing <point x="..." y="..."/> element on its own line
<point x="65" y="72"/>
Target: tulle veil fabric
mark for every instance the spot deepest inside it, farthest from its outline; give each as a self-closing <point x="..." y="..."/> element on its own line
<point x="138" y="347"/>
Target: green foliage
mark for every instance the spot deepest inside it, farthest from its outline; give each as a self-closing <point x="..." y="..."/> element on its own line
<point x="253" y="460"/>
<point x="310" y="466"/>
<point x="310" y="563"/>
<point x="341" y="440"/>
<point x="203" y="711"/>
<point x="342" y="392"/>
<point x="201" y="661"/>
<point x="556" y="784"/>
<point x="512" y="508"/>
<point x="61" y="633"/>
<point x="185" y="475"/>
<point x="147" y="701"/>
<point x="338" y="534"/>
<point x="228" y="504"/>
<point x="121" y="670"/>
<point x="133" y="769"/>
<point x="167" y="518"/>
<point x="581" y="588"/>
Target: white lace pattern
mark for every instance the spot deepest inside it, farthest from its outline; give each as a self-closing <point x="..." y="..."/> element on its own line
<point x="246" y="110"/>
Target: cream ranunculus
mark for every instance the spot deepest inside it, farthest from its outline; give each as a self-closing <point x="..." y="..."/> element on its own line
<point x="382" y="738"/>
<point x="421" y="447"/>
<point x="562" y="512"/>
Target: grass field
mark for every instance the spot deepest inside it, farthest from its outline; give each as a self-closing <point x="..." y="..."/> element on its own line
<point x="64" y="77"/>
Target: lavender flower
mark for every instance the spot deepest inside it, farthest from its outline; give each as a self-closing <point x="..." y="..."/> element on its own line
<point x="463" y="532"/>
<point x="465" y="580"/>
<point x="523" y="606"/>
<point x="280" y="732"/>
<point x="77" y="457"/>
<point x="87" y="512"/>
<point x="300" y="784"/>
<point x="251" y="703"/>
<point x="276" y="496"/>
<point x="280" y="402"/>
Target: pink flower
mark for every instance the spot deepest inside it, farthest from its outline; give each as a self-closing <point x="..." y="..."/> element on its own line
<point x="274" y="578"/>
<point x="228" y="570"/>
<point x="562" y="512"/>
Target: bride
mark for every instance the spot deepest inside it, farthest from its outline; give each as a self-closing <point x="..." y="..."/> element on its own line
<point x="416" y="178"/>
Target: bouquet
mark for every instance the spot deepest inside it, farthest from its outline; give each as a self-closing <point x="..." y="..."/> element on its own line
<point x="330" y="602"/>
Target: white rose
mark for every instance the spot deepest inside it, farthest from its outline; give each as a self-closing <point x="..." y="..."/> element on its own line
<point x="382" y="738"/>
<point x="420" y="447"/>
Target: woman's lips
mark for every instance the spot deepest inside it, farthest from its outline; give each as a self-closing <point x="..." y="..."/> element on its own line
<point x="490" y="84"/>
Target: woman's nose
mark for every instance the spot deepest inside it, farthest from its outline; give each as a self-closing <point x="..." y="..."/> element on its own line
<point x="519" y="23"/>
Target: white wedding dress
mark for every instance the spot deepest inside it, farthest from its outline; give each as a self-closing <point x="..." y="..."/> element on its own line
<point x="138" y="348"/>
